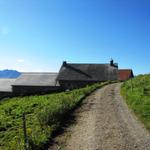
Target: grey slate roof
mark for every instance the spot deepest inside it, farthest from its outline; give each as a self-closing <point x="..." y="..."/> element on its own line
<point x="36" y="79"/>
<point x="5" y="85"/>
<point x="88" y="72"/>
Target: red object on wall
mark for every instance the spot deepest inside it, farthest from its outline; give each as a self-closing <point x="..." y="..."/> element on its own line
<point x="125" y="74"/>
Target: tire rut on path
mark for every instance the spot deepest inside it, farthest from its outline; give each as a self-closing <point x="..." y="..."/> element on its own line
<point x="104" y="122"/>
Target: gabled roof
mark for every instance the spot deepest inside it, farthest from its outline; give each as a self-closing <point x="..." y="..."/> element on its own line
<point x="5" y="85"/>
<point x="125" y="74"/>
<point x="87" y="72"/>
<point x="36" y="79"/>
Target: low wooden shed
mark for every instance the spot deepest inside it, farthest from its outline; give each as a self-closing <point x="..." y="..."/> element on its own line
<point x="35" y="83"/>
<point x="6" y="87"/>
<point x="125" y="74"/>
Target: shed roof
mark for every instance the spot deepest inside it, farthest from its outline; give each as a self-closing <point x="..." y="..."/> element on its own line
<point x="87" y="72"/>
<point x="5" y="85"/>
<point x="125" y="74"/>
<point x="36" y="79"/>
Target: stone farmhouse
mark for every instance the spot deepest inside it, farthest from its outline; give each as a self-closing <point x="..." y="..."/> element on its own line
<point x="79" y="75"/>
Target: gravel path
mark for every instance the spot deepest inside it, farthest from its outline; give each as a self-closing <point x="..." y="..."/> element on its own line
<point x="104" y="122"/>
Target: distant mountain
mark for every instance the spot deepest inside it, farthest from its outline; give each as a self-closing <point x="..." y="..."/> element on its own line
<point x="9" y="73"/>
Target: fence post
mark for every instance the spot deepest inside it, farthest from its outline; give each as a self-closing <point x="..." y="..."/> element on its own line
<point x="131" y="85"/>
<point x="24" y="131"/>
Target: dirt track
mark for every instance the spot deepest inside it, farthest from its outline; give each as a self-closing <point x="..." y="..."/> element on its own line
<point x="104" y="122"/>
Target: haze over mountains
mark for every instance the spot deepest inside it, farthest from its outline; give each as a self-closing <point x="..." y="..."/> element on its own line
<point x="9" y="73"/>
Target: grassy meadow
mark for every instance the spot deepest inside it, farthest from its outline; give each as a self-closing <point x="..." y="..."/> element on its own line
<point x="44" y="115"/>
<point x="136" y="91"/>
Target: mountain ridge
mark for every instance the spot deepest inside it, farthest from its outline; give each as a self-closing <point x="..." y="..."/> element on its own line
<point x="7" y="73"/>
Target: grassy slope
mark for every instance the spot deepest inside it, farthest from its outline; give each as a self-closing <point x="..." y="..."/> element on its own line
<point x="137" y="99"/>
<point x="44" y="115"/>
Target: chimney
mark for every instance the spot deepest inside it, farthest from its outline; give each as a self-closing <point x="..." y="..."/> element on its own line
<point x="64" y="63"/>
<point x="112" y="62"/>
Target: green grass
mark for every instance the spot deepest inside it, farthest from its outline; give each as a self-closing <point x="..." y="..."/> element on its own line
<point x="137" y="95"/>
<point x="44" y="115"/>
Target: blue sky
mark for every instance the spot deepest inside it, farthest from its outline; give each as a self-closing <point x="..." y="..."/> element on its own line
<point x="37" y="35"/>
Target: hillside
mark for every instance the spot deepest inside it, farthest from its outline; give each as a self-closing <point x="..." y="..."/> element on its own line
<point x="44" y="115"/>
<point x="9" y="73"/>
<point x="137" y="94"/>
